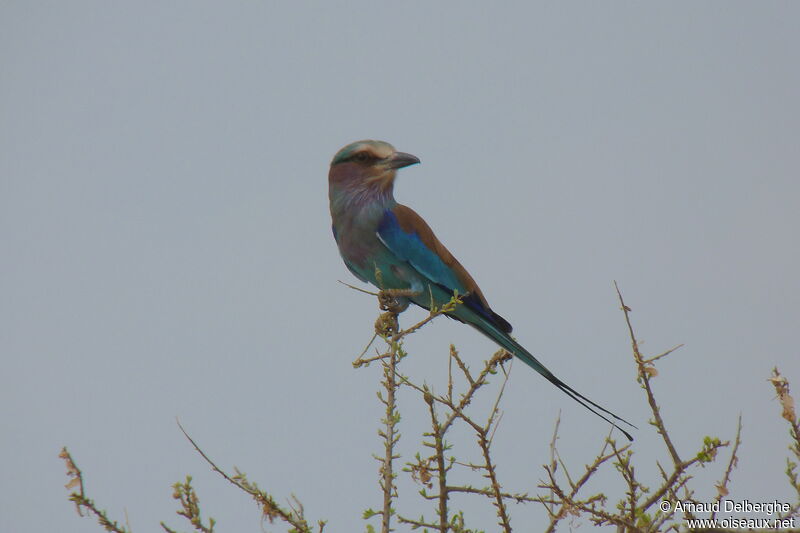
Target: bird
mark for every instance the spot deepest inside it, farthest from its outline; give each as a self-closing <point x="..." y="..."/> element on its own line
<point x="389" y="245"/>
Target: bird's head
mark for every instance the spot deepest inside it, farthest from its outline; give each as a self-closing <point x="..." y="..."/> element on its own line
<point x="368" y="164"/>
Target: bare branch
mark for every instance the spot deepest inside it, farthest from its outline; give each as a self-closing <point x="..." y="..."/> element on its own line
<point x="270" y="509"/>
<point x="644" y="377"/>
<point x="80" y="499"/>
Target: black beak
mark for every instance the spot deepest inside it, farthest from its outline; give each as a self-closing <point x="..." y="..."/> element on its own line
<point x="401" y="159"/>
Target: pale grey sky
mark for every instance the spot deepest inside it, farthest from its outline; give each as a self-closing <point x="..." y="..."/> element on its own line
<point x="166" y="248"/>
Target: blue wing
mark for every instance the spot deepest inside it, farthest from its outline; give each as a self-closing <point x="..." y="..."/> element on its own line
<point x="410" y="239"/>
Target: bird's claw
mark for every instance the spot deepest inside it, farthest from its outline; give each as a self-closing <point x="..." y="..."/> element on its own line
<point x="395" y="300"/>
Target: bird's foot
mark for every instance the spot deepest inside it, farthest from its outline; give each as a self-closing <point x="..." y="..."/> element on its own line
<point x="395" y="300"/>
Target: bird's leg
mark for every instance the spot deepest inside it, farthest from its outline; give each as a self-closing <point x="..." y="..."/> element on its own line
<point x="395" y="300"/>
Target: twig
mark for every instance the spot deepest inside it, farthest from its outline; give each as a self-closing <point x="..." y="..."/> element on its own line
<point x="788" y="413"/>
<point x="491" y="474"/>
<point x="600" y="517"/>
<point x="664" y="354"/>
<point x="416" y="523"/>
<point x="644" y="376"/>
<point x="624" y="467"/>
<point x="190" y="507"/>
<point x="722" y="486"/>
<point x="269" y="507"/>
<point x="438" y="440"/>
<point x="357" y="288"/>
<point x="79" y="498"/>
<point x="575" y="487"/>
<point x="490" y="366"/>
<point x="494" y="418"/>
<point x="360" y="359"/>
<point x="389" y="437"/>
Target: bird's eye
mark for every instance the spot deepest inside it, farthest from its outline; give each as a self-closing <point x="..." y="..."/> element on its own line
<point x="361" y="157"/>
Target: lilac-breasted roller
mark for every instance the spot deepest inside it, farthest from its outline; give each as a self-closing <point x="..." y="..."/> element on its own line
<point x="375" y="233"/>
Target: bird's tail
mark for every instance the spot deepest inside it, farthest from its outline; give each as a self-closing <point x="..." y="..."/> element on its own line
<point x="505" y="340"/>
